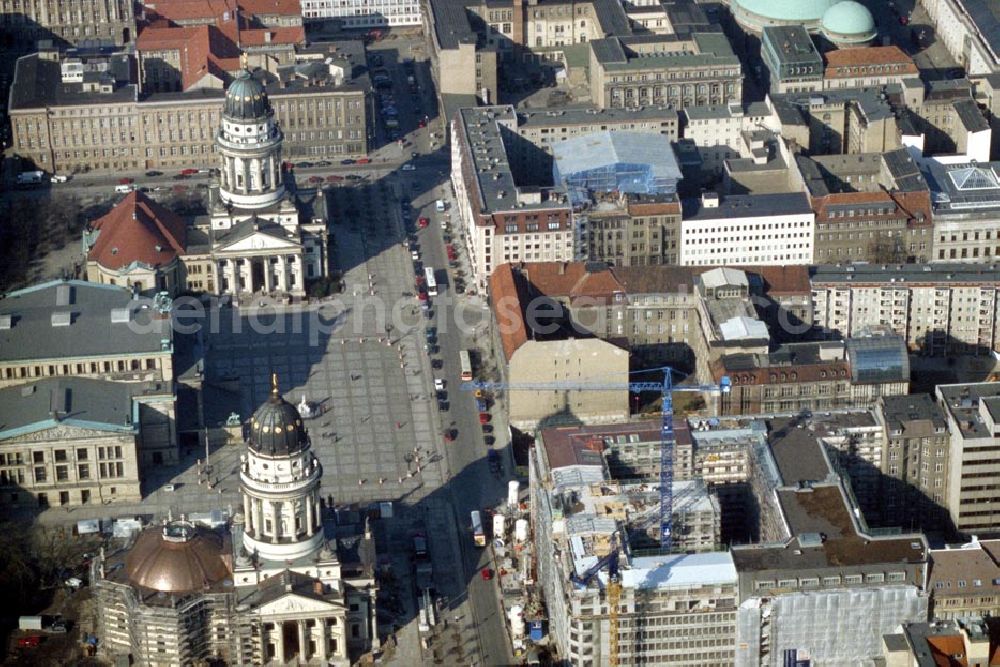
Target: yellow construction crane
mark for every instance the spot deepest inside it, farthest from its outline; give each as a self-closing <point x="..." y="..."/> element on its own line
<point x="614" y="591"/>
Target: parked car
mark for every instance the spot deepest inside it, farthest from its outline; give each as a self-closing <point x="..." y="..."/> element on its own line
<point x="486" y="573"/>
<point x="153" y="173"/>
<point x="422" y="222"/>
<point x="438" y="384"/>
<point x="449" y="436"/>
<point x="126" y="181"/>
<point x="315" y="180"/>
<point x="31" y="641"/>
<point x="484" y="418"/>
<point x="363" y="160"/>
<point x="422" y="123"/>
<point x="323" y="163"/>
<point x="347" y="161"/>
<point x="437" y="364"/>
<point x="334" y="179"/>
<point x="409" y="167"/>
<point x="188" y="172"/>
<point x="304" y="165"/>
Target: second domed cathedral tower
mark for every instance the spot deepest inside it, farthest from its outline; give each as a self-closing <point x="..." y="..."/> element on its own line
<point x="279" y="477"/>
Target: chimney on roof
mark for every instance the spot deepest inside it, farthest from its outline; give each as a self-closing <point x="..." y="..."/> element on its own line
<point x="710" y="199"/>
<point x="318" y="587"/>
<point x="562" y="268"/>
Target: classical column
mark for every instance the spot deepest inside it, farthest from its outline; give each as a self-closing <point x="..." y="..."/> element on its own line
<point x="323" y="643"/>
<point x="319" y="513"/>
<point x="279" y="642"/>
<point x="303" y="646"/>
<point x="247" y="515"/>
<point x="258" y="520"/>
<point x="282" y="278"/>
<point x="275" y="524"/>
<point x="267" y="273"/>
<point x="310" y="528"/>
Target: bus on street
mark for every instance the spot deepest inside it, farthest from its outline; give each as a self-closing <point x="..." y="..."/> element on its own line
<point x="432" y="286"/>
<point x="466" y="363"/>
<point x="478" y="536"/>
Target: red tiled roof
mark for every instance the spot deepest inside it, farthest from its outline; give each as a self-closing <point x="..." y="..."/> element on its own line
<point x="948" y="650"/>
<point x="866" y="56"/>
<point x="783" y="280"/>
<point x="262" y="36"/>
<point x="203" y="49"/>
<point x="192" y="10"/>
<point x="138" y="230"/>
<point x="572" y="280"/>
<point x="505" y="297"/>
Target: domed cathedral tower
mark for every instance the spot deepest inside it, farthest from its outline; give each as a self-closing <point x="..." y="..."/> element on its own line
<point x="279" y="479"/>
<point x="249" y="143"/>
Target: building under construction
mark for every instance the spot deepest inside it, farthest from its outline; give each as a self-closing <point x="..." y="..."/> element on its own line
<point x="813" y="583"/>
<point x="678" y="607"/>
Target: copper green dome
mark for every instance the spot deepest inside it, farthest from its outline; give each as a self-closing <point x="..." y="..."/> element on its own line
<point x="276" y="428"/>
<point x="787" y="10"/>
<point x="246" y="98"/>
<point x="850" y="19"/>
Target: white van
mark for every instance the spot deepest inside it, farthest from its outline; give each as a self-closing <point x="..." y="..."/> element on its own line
<point x="439" y="205"/>
<point x="123" y="188"/>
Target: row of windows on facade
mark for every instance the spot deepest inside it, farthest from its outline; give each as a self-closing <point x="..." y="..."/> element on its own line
<point x="847" y="579"/>
<point x="12" y="372"/>
<point x="42" y="498"/>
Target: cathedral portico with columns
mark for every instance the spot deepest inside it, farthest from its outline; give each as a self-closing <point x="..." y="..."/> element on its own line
<point x="284" y="584"/>
<point x="258" y="238"/>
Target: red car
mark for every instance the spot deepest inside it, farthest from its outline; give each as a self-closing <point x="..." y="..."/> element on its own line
<point x="450" y="250"/>
<point x="363" y="160"/>
<point x="287" y="166"/>
<point x="486" y="573"/>
<point x="125" y="181"/>
<point x="484" y="418"/>
<point x="188" y="172"/>
<point x="422" y="123"/>
<point x="420" y="281"/>
<point x="31" y="641"/>
<point x="449" y="436"/>
<point x="316" y="179"/>
<point x="422" y="296"/>
<point x="334" y="179"/>
<point x="423" y="222"/>
<point x="903" y="20"/>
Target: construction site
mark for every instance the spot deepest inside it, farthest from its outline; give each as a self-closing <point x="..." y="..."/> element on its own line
<point x="798" y="575"/>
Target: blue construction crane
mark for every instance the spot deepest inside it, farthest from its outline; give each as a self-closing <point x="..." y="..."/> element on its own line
<point x="666" y="388"/>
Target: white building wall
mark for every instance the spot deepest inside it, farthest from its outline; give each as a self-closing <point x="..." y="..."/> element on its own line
<point x="950" y="28"/>
<point x="749" y="241"/>
<point x="363" y="13"/>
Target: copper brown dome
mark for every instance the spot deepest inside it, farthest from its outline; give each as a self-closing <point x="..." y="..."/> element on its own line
<point x="276" y="428"/>
<point x="178" y="557"/>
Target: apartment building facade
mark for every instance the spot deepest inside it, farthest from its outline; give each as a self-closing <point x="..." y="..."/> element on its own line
<point x="914" y="462"/>
<point x="698" y="70"/>
<point x="973" y="497"/>
<point x="869" y="207"/>
<point x="966" y="208"/>
<point x="504" y="222"/>
<point x="747" y="230"/>
<point x="938" y="308"/>
<point x="67" y="22"/>
<point x="66" y="129"/>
